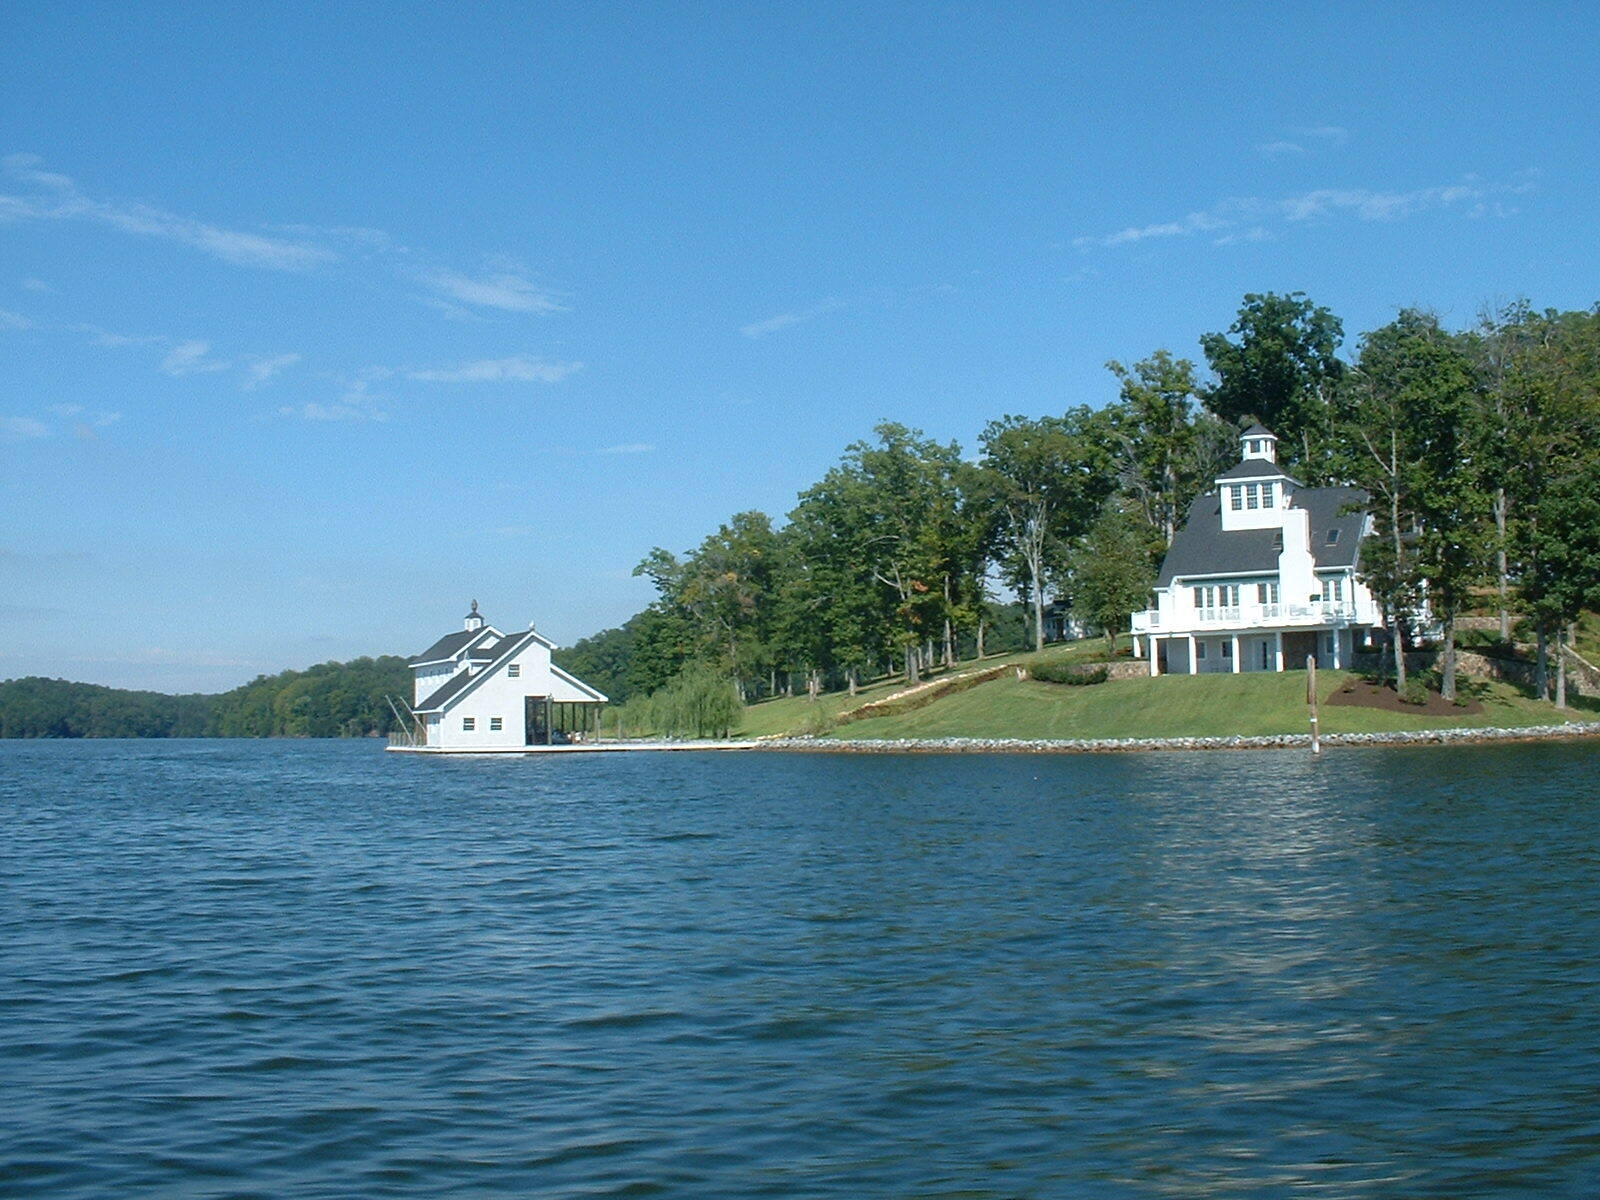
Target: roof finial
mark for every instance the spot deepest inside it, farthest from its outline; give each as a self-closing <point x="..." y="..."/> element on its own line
<point x="474" y="606"/>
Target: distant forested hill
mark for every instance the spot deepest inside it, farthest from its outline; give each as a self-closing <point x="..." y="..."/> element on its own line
<point x="54" y="708"/>
<point x="328" y="700"/>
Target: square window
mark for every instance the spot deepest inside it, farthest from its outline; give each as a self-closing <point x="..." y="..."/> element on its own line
<point x="514" y="671"/>
<point x="469" y="723"/>
<point x="494" y="724"/>
<point x="1199" y="650"/>
<point x="1234" y="498"/>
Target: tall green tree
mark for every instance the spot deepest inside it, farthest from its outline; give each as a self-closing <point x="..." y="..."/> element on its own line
<point x="1278" y="364"/>
<point x="1113" y="575"/>
<point x="900" y="492"/>
<point x="1167" y="451"/>
<point x="1389" y="395"/>
<point x="1541" y="403"/>
<point x="723" y="588"/>
<point x="1047" y="477"/>
<point x="1564" y="576"/>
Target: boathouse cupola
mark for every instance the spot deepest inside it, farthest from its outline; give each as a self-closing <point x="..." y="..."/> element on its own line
<point x="474" y="621"/>
<point x="1258" y="442"/>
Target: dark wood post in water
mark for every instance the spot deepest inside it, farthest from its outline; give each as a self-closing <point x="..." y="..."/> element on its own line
<point x="1311" y="701"/>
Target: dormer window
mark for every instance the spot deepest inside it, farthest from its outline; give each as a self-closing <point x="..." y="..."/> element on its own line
<point x="1252" y="495"/>
<point x="1267" y="492"/>
<point x="1236" y="498"/>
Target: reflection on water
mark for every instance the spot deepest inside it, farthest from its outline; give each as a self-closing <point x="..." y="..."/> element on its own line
<point x="312" y="970"/>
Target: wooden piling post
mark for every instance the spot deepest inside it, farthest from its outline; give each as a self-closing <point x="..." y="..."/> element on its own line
<point x="1311" y="701"/>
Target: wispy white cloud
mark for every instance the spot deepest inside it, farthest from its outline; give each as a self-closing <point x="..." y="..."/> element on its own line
<point x="190" y="358"/>
<point x="14" y="320"/>
<point x="258" y="370"/>
<point x="36" y="285"/>
<point x="20" y="429"/>
<point x="629" y="448"/>
<point x="506" y="290"/>
<point x="1281" y="149"/>
<point x="89" y="424"/>
<point x="1335" y="135"/>
<point x="56" y="197"/>
<point x="519" y="368"/>
<point x="356" y="404"/>
<point x="106" y="337"/>
<point x="1251" y="218"/>
<point x="785" y="320"/>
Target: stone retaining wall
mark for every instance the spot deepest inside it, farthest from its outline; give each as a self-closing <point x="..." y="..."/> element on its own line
<point x="1284" y="741"/>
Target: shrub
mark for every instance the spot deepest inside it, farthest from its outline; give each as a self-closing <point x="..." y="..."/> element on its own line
<point x="1415" y="692"/>
<point x="1069" y="674"/>
<point x="818" y="723"/>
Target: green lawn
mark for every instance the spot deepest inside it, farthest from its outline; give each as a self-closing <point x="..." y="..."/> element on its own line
<point x="794" y="714"/>
<point x="1179" y="706"/>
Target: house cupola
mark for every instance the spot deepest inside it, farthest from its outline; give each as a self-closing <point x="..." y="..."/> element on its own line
<point x="1258" y="442"/>
<point x="474" y="621"/>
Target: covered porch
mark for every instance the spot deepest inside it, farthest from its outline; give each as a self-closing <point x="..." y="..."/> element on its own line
<point x="551" y="722"/>
<point x="1242" y="651"/>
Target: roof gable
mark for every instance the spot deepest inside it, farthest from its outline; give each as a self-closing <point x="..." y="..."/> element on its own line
<point x="464" y="681"/>
<point x="1202" y="547"/>
<point x="452" y="644"/>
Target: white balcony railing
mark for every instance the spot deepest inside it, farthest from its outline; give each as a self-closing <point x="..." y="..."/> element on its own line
<point x="1247" y="616"/>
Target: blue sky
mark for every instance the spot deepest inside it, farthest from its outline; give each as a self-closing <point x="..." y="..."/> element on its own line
<point x="317" y="322"/>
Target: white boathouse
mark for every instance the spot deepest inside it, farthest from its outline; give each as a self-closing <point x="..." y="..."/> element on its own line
<point x="479" y="690"/>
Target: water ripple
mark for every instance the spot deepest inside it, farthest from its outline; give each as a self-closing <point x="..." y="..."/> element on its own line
<point x="310" y="970"/>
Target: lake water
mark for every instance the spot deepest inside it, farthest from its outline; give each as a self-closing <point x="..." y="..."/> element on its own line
<point x="313" y="970"/>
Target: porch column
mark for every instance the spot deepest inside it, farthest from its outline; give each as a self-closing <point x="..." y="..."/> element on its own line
<point x="1194" y="663"/>
<point x="1278" y="651"/>
<point x="1237" y="666"/>
<point x="1338" y="649"/>
<point x="1155" y="655"/>
<point x="1136" y="653"/>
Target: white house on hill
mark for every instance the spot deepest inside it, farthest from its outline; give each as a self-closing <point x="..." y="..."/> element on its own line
<point x="480" y="690"/>
<point x="1262" y="574"/>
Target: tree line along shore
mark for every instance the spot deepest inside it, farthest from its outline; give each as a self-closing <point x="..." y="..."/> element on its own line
<point x="1479" y="450"/>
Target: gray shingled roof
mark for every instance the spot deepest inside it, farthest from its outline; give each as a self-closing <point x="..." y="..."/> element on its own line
<point x="463" y="680"/>
<point x="446" y="647"/>
<point x="1257" y="468"/>
<point x="1202" y="548"/>
<point x="1258" y="430"/>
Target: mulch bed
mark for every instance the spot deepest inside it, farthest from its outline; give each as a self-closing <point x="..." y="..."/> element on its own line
<point x="1359" y="694"/>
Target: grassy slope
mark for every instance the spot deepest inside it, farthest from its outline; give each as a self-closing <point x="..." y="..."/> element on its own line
<point x="1177" y="706"/>
<point x="791" y="714"/>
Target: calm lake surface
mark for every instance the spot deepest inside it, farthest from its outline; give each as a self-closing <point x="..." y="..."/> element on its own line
<point x="315" y="970"/>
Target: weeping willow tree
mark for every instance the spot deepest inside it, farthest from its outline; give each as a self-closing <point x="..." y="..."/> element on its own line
<point x="701" y="701"/>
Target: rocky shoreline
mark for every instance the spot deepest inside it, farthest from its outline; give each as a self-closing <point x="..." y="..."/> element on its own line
<point x="1285" y="741"/>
